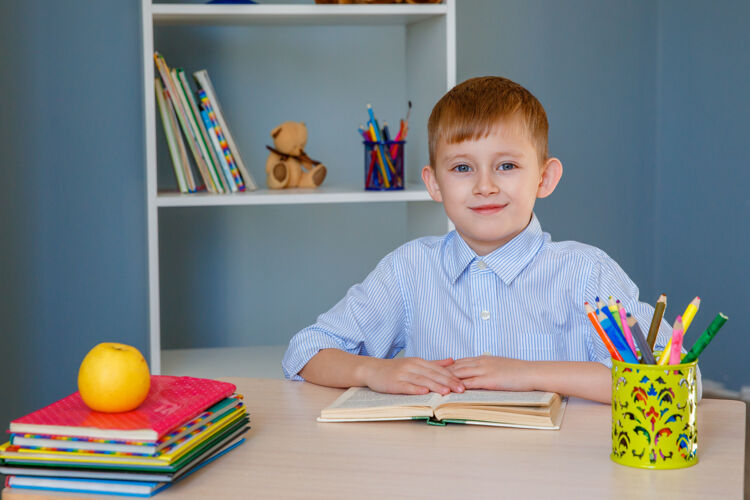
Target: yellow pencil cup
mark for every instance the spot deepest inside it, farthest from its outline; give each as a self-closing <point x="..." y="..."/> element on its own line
<point x="653" y="415"/>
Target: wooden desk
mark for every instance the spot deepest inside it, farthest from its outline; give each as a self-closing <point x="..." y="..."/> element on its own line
<point x="290" y="455"/>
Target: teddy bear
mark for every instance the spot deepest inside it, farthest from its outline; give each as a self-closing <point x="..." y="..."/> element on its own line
<point x="288" y="165"/>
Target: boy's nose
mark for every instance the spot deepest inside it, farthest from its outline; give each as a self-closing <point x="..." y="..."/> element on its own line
<point x="486" y="184"/>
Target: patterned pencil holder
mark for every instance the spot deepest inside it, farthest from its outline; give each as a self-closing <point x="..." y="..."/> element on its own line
<point x="384" y="165"/>
<point x="653" y="415"/>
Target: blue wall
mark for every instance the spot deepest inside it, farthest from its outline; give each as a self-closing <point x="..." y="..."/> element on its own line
<point x="647" y="103"/>
<point x="702" y="190"/>
<point x="592" y="64"/>
<point x="72" y="212"/>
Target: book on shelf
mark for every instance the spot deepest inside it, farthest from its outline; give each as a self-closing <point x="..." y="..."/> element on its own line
<point x="212" y="148"/>
<point x="206" y="150"/>
<point x="174" y="140"/>
<point x="183" y="118"/>
<point x="220" y="142"/>
<point x="533" y="410"/>
<point x="204" y="82"/>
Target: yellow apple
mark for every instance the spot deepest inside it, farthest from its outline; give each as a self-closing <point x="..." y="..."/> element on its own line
<point x="113" y="378"/>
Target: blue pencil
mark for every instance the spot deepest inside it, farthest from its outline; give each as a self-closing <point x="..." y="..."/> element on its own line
<point x="616" y="337"/>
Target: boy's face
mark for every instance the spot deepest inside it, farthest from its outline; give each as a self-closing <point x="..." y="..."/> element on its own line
<point x="489" y="185"/>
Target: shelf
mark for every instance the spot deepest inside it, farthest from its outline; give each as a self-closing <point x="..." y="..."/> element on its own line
<point x="381" y="14"/>
<point x="292" y="197"/>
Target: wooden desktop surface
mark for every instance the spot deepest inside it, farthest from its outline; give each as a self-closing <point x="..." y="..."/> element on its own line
<point x="289" y="455"/>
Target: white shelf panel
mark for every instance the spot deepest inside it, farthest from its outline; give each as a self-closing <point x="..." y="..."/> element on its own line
<point x="292" y="197"/>
<point x="334" y="14"/>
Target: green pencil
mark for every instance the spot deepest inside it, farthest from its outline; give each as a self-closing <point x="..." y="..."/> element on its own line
<point x="706" y="337"/>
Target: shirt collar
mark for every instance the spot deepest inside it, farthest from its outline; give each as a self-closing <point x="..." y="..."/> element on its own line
<point x="507" y="261"/>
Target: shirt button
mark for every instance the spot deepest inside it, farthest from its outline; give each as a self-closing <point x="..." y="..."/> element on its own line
<point x="485" y="315"/>
<point x="481" y="265"/>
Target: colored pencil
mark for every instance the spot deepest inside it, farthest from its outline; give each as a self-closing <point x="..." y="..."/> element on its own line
<point x="706" y="337"/>
<point x="687" y="318"/>
<point x="661" y="305"/>
<point x="626" y="328"/>
<point x="675" y="350"/>
<point x="647" y="357"/>
<point x="602" y="334"/>
<point x="610" y="327"/>
<point x="613" y="309"/>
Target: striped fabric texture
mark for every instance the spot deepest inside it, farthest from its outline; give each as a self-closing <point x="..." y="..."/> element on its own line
<point x="434" y="298"/>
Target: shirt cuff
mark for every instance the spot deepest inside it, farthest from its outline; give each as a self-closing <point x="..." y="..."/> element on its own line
<point x="303" y="347"/>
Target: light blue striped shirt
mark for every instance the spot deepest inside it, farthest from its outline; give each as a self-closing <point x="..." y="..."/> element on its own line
<point x="434" y="298"/>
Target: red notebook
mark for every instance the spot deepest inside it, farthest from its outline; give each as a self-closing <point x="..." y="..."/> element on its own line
<point x="171" y="401"/>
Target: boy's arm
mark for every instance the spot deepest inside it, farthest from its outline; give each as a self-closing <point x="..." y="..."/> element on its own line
<point x="336" y="368"/>
<point x="583" y="379"/>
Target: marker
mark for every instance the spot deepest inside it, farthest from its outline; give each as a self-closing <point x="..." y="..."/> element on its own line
<point x="600" y="331"/>
<point x="689" y="313"/>
<point x="647" y="357"/>
<point x="626" y="328"/>
<point x="661" y="304"/>
<point x="677" y="334"/>
<point x="706" y="337"/>
<point x="617" y="339"/>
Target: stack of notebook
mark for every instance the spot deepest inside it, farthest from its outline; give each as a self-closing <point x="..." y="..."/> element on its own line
<point x="183" y="424"/>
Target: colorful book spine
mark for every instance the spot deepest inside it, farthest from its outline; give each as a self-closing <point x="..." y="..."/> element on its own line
<point x="182" y="115"/>
<point x="186" y="95"/>
<point x="223" y="144"/>
<point x="211" y="131"/>
<point x="204" y="82"/>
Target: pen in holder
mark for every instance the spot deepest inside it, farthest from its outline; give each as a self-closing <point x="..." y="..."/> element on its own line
<point x="653" y="415"/>
<point x="384" y="165"/>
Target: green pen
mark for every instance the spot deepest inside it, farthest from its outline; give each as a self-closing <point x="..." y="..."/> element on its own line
<point x="705" y="338"/>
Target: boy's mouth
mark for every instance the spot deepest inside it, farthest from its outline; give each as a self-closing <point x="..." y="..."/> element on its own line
<point x="488" y="209"/>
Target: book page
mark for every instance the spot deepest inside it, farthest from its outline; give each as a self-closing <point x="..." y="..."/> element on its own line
<point x="508" y="398"/>
<point x="363" y="397"/>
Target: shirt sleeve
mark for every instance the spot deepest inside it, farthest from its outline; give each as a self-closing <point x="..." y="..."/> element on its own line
<point x="608" y="279"/>
<point x="368" y="321"/>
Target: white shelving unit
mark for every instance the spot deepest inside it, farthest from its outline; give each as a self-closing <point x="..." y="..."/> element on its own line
<point x="430" y="55"/>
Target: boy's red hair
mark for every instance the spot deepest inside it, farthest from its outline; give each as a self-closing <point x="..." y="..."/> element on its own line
<point x="471" y="109"/>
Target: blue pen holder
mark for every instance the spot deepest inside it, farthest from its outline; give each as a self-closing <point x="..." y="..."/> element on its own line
<point x="384" y="165"/>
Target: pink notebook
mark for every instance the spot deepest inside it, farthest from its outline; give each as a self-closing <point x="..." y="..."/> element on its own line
<point x="171" y="401"/>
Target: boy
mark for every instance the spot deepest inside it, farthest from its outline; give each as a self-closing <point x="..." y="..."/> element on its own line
<point x="492" y="305"/>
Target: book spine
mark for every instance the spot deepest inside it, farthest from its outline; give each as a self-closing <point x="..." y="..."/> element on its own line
<point x="205" y="145"/>
<point x="184" y="160"/>
<point x="174" y="152"/>
<point x="204" y="81"/>
<point x="190" y="128"/>
<point x="223" y="144"/>
<point x="174" y="96"/>
<point x="217" y="146"/>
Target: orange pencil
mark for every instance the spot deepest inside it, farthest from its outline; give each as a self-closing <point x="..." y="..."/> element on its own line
<point x="600" y="331"/>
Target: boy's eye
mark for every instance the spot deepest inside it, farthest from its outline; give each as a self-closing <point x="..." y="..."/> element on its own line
<point x="462" y="168"/>
<point x="506" y="166"/>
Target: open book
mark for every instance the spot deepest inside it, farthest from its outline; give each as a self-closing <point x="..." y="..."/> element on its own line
<point x="533" y="410"/>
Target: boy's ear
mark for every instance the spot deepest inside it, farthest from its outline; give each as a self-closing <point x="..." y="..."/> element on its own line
<point x="430" y="181"/>
<point x="551" y="175"/>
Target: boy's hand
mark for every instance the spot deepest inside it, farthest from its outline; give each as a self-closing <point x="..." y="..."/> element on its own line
<point x="411" y="376"/>
<point x="494" y="373"/>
